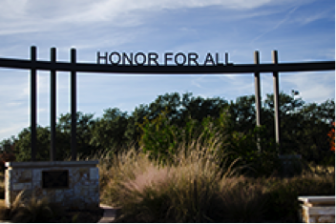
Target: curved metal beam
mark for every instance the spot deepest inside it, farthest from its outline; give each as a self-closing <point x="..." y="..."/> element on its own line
<point x="169" y="69"/>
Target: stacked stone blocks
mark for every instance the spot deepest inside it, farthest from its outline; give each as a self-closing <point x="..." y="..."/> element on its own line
<point x="81" y="192"/>
<point x="317" y="209"/>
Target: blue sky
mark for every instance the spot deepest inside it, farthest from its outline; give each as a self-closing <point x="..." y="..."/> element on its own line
<point x="301" y="30"/>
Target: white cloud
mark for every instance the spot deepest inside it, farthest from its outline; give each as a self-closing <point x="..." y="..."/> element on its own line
<point x="328" y="53"/>
<point x="277" y="25"/>
<point x="312" y="86"/>
<point x="40" y="15"/>
<point x="13" y="86"/>
<point x="13" y="128"/>
<point x="329" y="13"/>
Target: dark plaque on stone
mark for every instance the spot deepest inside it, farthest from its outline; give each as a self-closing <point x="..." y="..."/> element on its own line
<point x="55" y="179"/>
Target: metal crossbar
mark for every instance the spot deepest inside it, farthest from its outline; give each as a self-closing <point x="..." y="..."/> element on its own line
<point x="167" y="69"/>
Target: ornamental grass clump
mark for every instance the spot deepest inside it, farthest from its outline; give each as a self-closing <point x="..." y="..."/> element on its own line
<point x="131" y="185"/>
<point x="34" y="210"/>
<point x="28" y="209"/>
<point x="185" y="190"/>
<point x="7" y="213"/>
<point x="194" y="188"/>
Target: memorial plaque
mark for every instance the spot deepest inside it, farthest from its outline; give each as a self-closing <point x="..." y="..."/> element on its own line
<point x="55" y="179"/>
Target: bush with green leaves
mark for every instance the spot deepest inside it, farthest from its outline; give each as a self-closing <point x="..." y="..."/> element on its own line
<point x="257" y="152"/>
<point x="160" y="138"/>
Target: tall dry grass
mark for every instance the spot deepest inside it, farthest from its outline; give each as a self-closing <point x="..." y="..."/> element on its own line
<point x="191" y="188"/>
<point x="194" y="187"/>
<point x="29" y="209"/>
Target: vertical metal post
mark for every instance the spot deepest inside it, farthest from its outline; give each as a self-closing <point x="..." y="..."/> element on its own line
<point x="53" y="106"/>
<point x="276" y="99"/>
<point x="257" y="89"/>
<point x="257" y="96"/>
<point x="73" y="106"/>
<point x="33" y="103"/>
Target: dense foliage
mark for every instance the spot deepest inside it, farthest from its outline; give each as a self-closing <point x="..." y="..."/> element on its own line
<point x="172" y="118"/>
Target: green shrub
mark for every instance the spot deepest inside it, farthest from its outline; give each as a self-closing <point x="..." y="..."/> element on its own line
<point x="256" y="152"/>
<point x="160" y="138"/>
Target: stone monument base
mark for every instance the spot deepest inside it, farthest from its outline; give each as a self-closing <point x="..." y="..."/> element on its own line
<point x="72" y="184"/>
<point x="317" y="209"/>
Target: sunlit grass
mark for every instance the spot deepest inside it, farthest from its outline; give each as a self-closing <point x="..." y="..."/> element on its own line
<point x="321" y="170"/>
<point x="193" y="187"/>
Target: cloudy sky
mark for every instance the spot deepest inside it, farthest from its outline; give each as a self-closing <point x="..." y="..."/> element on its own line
<point x="301" y="30"/>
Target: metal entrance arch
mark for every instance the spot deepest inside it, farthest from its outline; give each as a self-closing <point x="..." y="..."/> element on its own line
<point x="73" y="67"/>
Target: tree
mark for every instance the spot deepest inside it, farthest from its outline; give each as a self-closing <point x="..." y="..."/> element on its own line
<point x="304" y="127"/>
<point x="178" y="110"/>
<point x="23" y="144"/>
<point x="133" y="130"/>
<point x="84" y="128"/>
<point x="199" y="108"/>
<point x="242" y="113"/>
<point x="109" y="132"/>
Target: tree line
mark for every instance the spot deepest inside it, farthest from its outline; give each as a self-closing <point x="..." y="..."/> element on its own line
<point x="304" y="126"/>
